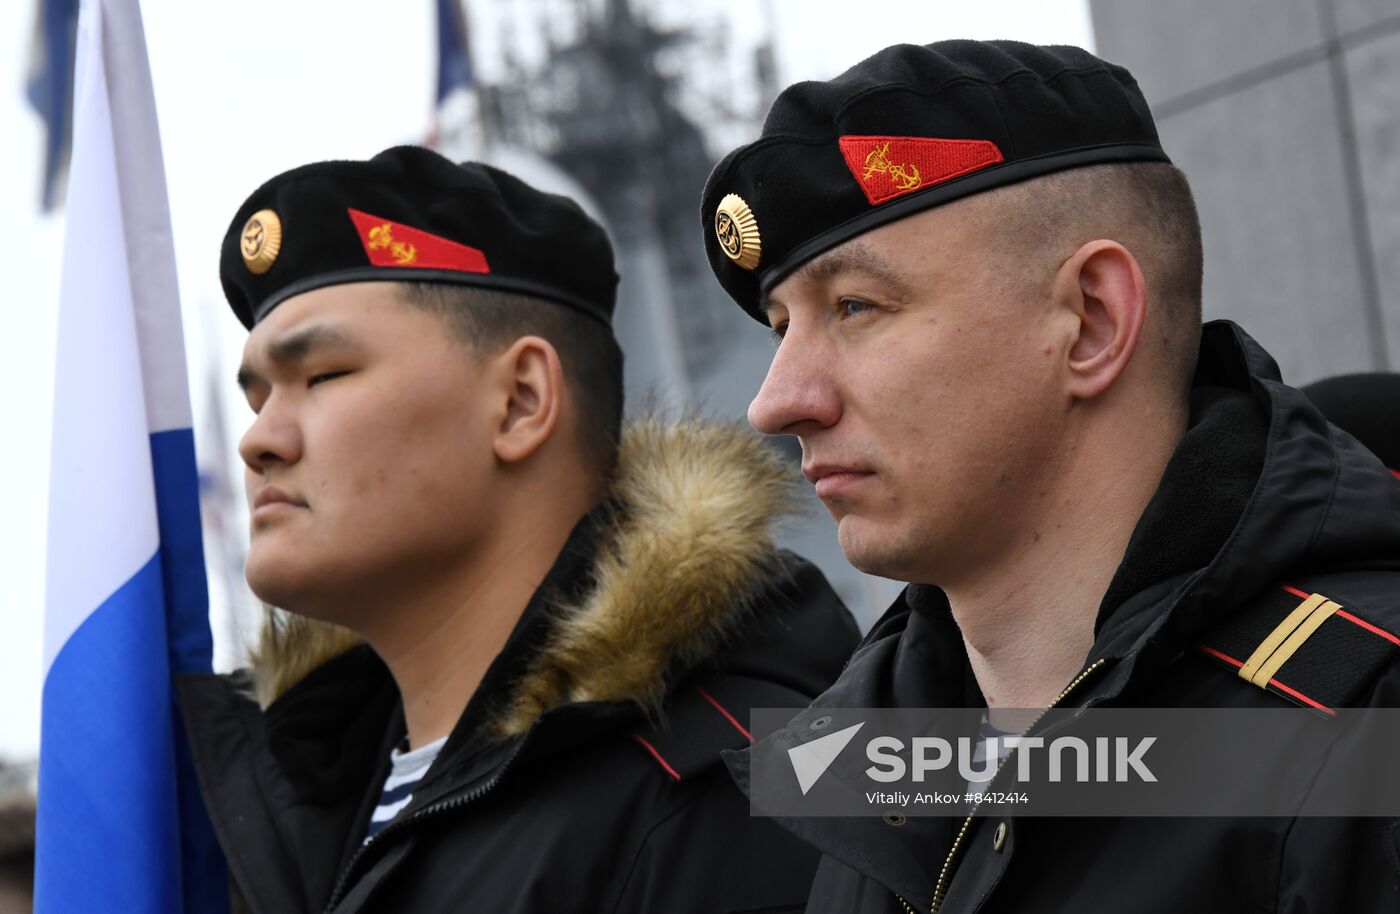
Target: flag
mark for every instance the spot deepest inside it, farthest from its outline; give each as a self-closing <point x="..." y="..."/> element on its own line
<point x="454" y="71"/>
<point x="49" y="87"/>
<point x="454" y="54"/>
<point x="120" y="823"/>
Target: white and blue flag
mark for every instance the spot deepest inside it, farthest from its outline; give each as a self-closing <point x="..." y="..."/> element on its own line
<point x="121" y="826"/>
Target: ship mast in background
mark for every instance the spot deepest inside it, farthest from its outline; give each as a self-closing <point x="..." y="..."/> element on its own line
<point x="612" y="102"/>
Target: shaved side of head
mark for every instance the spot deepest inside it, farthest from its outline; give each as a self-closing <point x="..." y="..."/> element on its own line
<point x="1147" y="207"/>
<point x="489" y="320"/>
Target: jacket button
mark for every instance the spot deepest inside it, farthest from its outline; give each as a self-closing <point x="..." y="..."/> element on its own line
<point x="999" y="836"/>
<point x="895" y="819"/>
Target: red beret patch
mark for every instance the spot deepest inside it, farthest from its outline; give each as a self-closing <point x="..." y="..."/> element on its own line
<point x="891" y="166"/>
<point x="393" y="244"/>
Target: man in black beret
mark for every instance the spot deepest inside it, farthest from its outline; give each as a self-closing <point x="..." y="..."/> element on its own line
<point x="515" y="639"/>
<point x="984" y="278"/>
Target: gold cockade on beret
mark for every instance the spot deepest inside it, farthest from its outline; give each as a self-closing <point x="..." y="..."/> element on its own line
<point x="737" y="231"/>
<point x="260" y="241"/>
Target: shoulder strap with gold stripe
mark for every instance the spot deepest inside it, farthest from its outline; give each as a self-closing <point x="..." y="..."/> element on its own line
<point x="1304" y="647"/>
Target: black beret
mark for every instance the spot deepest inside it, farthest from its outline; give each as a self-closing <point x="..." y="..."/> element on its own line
<point x="1366" y="406"/>
<point x="906" y="129"/>
<point x="410" y="215"/>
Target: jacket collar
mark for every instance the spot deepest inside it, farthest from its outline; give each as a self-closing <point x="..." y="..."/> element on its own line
<point x="1261" y="491"/>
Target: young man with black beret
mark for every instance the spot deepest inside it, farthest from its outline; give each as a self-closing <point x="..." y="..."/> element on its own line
<point x="984" y="276"/>
<point x="518" y="639"/>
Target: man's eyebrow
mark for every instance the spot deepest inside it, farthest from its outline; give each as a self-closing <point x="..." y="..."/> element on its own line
<point x="246" y="378"/>
<point x="298" y="345"/>
<point x="854" y="258"/>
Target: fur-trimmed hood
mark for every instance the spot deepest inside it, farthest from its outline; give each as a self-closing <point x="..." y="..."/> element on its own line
<point x="683" y="547"/>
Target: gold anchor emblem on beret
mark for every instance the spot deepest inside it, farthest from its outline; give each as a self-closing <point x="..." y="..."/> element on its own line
<point x="261" y="240"/>
<point x="878" y="163"/>
<point x="382" y="236"/>
<point x="737" y="231"/>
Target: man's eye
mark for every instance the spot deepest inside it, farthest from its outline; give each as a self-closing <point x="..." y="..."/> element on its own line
<point x="328" y="376"/>
<point x="779" y="332"/>
<point x="850" y="307"/>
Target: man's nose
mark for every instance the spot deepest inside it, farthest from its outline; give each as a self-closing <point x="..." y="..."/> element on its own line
<point x="273" y="439"/>
<point x="799" y="394"/>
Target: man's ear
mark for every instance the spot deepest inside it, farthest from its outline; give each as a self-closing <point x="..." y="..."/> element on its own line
<point x="531" y="376"/>
<point x="1102" y="285"/>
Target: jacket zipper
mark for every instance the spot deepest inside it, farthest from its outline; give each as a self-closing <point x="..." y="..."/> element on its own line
<point x="941" y="888"/>
<point x="443" y="806"/>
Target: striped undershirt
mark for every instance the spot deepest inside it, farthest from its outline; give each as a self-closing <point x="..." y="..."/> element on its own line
<point x="407" y="769"/>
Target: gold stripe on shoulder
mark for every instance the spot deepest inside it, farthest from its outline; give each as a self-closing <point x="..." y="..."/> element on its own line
<point x="1290" y="634"/>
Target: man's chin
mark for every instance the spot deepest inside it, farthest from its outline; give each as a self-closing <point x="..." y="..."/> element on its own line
<point x="863" y="543"/>
<point x="278" y="584"/>
<point x="871" y="547"/>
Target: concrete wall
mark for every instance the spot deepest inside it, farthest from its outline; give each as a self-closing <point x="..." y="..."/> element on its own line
<point x="1285" y="115"/>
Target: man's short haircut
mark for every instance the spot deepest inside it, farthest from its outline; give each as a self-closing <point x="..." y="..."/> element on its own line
<point x="489" y="320"/>
<point x="1145" y="206"/>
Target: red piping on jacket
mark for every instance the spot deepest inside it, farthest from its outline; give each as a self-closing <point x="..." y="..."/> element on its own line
<point x="1273" y="682"/>
<point x="656" y="755"/>
<point x="1214" y="653"/>
<point x="1367" y="625"/>
<point x="727" y="716"/>
<point x="1303" y="698"/>
<point x="1349" y="617"/>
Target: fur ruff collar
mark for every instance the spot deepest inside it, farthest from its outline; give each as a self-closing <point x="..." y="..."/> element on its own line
<point x="680" y="557"/>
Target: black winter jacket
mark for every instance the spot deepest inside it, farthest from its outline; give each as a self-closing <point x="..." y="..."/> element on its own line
<point x="1261" y="494"/>
<point x="556" y="791"/>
